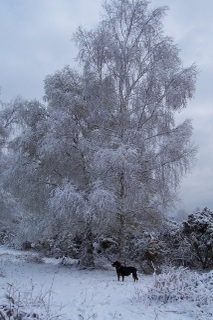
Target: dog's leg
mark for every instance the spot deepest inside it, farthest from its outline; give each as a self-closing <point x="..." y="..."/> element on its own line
<point x="118" y="277"/>
<point x="135" y="277"/>
<point x="122" y="278"/>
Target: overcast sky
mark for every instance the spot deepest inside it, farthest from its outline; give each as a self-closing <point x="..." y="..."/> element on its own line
<point x="35" y="40"/>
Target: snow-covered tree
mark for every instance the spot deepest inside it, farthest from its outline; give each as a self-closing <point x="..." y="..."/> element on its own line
<point x="10" y="210"/>
<point x="104" y="150"/>
<point x="74" y="135"/>
<point x="143" y="153"/>
<point x="23" y="176"/>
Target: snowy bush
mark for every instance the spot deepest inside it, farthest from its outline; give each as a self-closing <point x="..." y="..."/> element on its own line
<point x="26" y="305"/>
<point x="177" y="249"/>
<point x="199" y="230"/>
<point x="191" y="291"/>
<point x="147" y="251"/>
<point x="6" y="236"/>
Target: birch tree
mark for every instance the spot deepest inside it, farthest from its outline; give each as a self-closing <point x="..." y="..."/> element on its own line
<point x="144" y="153"/>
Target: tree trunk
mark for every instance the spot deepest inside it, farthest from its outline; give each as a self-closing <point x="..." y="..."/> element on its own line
<point x="122" y="234"/>
<point x="122" y="240"/>
<point x="87" y="258"/>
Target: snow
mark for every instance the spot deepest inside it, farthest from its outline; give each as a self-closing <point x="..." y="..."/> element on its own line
<point x="54" y="291"/>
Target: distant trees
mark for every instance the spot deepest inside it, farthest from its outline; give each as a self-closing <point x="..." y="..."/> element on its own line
<point x="103" y="152"/>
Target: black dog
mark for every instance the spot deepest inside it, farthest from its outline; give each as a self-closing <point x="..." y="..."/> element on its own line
<point x="124" y="271"/>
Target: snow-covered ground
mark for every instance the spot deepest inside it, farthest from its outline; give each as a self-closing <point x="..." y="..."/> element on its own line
<point x="60" y="292"/>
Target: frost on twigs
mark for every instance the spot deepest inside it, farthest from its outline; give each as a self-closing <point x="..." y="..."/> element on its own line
<point x="188" y="291"/>
<point x="25" y="305"/>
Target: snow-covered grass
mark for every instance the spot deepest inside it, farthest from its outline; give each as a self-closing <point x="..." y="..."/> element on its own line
<point x="33" y="287"/>
<point x="191" y="292"/>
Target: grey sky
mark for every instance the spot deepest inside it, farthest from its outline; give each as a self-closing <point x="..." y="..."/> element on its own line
<point x="35" y="40"/>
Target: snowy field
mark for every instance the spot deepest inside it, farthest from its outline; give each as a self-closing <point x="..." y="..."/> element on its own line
<point x="52" y="291"/>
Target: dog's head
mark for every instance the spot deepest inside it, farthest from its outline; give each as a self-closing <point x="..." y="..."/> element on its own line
<point x="116" y="264"/>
